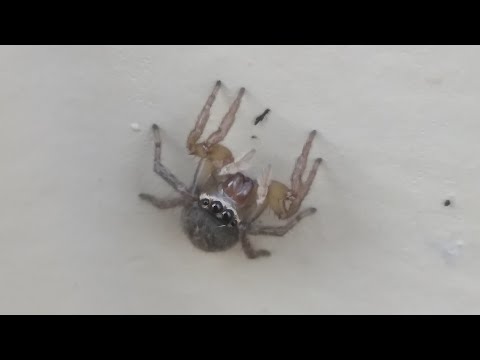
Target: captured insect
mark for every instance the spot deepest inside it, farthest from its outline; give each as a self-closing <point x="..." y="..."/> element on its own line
<point x="222" y="205"/>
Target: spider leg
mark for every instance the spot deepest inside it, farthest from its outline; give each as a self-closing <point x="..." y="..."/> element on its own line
<point x="248" y="248"/>
<point x="162" y="170"/>
<point x="198" y="174"/>
<point x="162" y="203"/>
<point x="281" y="230"/>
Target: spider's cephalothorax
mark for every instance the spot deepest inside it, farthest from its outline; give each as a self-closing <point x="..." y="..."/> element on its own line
<point x="222" y="205"/>
<point x="213" y="221"/>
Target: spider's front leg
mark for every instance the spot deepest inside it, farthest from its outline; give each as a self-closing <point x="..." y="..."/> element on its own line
<point x="162" y="170"/>
<point x="167" y="203"/>
<point x="211" y="149"/>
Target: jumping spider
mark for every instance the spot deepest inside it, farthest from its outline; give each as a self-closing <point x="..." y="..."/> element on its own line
<point x="221" y="206"/>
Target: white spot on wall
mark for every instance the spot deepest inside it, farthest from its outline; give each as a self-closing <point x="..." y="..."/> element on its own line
<point x="135" y="126"/>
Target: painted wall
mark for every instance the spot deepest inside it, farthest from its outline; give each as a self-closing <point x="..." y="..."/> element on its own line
<point x="398" y="131"/>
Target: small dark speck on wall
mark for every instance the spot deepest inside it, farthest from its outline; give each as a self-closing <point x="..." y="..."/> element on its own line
<point x="447" y="203"/>
<point x="261" y="116"/>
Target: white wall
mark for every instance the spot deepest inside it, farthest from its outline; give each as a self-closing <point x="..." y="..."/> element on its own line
<point x="399" y="130"/>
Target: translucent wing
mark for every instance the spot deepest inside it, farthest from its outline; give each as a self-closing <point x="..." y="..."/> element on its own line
<point x="242" y="164"/>
<point x="263" y="184"/>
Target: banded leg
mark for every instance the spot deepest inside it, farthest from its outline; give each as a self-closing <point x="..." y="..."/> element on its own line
<point x="162" y="203"/>
<point x="248" y="248"/>
<point x="162" y="170"/>
<point x="281" y="230"/>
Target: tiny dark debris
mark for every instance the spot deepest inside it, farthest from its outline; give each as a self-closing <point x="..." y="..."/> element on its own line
<point x="447" y="203"/>
<point x="262" y="116"/>
<point x="254" y="137"/>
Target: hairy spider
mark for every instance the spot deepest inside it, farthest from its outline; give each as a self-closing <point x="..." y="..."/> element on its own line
<point x="221" y="206"/>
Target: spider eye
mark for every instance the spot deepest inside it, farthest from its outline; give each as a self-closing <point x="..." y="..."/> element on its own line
<point x="217" y="207"/>
<point x="227" y="216"/>
<point x="234" y="222"/>
<point x="205" y="202"/>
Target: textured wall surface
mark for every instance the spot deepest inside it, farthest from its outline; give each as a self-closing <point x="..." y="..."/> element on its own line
<point x="398" y="130"/>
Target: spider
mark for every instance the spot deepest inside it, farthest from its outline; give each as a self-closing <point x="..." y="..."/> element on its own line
<point x="221" y="206"/>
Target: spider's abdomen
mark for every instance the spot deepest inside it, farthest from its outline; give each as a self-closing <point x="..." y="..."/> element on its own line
<point x="207" y="232"/>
